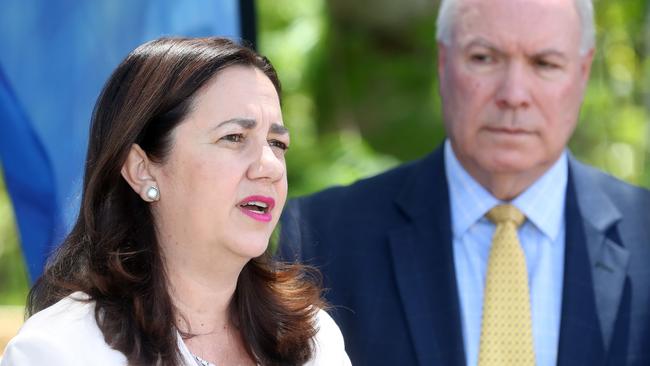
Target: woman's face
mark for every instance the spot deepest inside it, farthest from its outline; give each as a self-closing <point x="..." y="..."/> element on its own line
<point x="223" y="184"/>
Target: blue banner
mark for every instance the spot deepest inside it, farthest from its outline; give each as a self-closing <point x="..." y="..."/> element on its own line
<point x="56" y="56"/>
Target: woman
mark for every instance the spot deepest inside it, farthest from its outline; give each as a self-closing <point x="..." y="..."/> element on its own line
<point x="167" y="265"/>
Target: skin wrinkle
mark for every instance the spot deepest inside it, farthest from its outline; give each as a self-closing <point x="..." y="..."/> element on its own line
<point x="250" y="123"/>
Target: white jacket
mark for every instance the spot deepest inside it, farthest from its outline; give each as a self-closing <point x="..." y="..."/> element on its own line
<point x="66" y="334"/>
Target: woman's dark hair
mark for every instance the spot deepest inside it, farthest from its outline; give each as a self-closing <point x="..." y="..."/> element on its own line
<point x="112" y="253"/>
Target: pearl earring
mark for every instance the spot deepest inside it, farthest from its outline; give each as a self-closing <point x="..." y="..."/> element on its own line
<point x="153" y="193"/>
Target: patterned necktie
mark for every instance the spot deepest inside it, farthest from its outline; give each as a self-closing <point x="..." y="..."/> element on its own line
<point x="506" y="329"/>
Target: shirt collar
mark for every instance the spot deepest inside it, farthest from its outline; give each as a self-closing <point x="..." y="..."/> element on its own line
<point x="540" y="202"/>
<point x="468" y="200"/>
<point x="543" y="202"/>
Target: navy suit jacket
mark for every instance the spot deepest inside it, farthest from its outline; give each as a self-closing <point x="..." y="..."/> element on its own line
<point x="384" y="245"/>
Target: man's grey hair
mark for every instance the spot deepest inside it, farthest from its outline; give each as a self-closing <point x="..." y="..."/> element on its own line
<point x="449" y="8"/>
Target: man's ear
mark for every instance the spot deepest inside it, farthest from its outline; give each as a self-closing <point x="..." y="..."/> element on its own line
<point x="137" y="171"/>
<point x="442" y="53"/>
<point x="585" y="66"/>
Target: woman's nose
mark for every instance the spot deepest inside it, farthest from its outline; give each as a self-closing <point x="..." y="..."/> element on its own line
<point x="267" y="165"/>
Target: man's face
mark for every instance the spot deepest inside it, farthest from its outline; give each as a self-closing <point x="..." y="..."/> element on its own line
<point x="512" y="81"/>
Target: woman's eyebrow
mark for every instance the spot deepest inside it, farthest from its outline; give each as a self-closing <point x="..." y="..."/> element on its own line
<point x="246" y="123"/>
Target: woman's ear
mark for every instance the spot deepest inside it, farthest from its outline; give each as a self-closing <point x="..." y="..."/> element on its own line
<point x="137" y="172"/>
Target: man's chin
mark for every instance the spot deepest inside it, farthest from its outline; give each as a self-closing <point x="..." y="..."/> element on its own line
<point x="509" y="163"/>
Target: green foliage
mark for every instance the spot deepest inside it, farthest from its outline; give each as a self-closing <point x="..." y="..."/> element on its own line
<point x="614" y="132"/>
<point x="292" y="37"/>
<point x="13" y="275"/>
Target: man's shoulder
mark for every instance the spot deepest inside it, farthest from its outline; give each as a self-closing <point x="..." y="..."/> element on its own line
<point x="621" y="194"/>
<point x="381" y="187"/>
<point x="349" y="211"/>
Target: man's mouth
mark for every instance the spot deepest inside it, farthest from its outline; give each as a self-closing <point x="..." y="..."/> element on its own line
<point x="508" y="130"/>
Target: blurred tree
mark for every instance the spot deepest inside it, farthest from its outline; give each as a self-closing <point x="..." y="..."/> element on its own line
<point x="614" y="129"/>
<point x="377" y="74"/>
<point x="292" y="34"/>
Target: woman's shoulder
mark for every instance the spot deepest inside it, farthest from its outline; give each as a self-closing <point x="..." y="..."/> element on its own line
<point x="327" y="327"/>
<point x="72" y="310"/>
<point x="65" y="333"/>
<point x="72" y="317"/>
<point x="329" y="347"/>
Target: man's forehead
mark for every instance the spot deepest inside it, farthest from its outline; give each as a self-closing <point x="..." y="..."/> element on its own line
<point x="535" y="23"/>
<point x="517" y="3"/>
<point x="516" y="12"/>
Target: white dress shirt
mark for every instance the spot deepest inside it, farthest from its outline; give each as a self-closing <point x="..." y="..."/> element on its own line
<point x="542" y="238"/>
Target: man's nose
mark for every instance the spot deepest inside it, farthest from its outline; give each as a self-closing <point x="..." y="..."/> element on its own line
<point x="514" y="89"/>
<point x="266" y="166"/>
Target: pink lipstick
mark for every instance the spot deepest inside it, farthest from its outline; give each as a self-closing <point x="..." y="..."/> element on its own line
<point x="258" y="207"/>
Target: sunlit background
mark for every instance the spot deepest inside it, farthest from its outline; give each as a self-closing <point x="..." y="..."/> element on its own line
<point x="360" y="95"/>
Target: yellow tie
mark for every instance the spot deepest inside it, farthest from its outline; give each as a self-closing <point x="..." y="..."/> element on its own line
<point x="506" y="329"/>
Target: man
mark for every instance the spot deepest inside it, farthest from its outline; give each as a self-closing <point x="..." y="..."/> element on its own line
<point x="414" y="258"/>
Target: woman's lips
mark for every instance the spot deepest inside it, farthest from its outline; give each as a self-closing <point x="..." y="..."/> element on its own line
<point x="258" y="207"/>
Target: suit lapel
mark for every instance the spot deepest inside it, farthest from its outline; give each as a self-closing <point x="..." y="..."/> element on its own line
<point x="424" y="267"/>
<point x="595" y="271"/>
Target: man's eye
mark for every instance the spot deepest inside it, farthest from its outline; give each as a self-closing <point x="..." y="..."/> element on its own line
<point x="279" y="144"/>
<point x="235" y="137"/>
<point x="481" y="58"/>
<point x="546" y="65"/>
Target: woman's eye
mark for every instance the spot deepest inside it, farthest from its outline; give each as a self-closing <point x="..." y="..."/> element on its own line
<point x="279" y="144"/>
<point x="235" y="137"/>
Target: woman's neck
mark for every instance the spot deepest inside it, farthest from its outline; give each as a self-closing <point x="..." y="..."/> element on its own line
<point x="202" y="301"/>
<point x="201" y="296"/>
<point x="200" y="309"/>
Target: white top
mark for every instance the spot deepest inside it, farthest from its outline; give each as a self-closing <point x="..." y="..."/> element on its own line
<point x="66" y="334"/>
